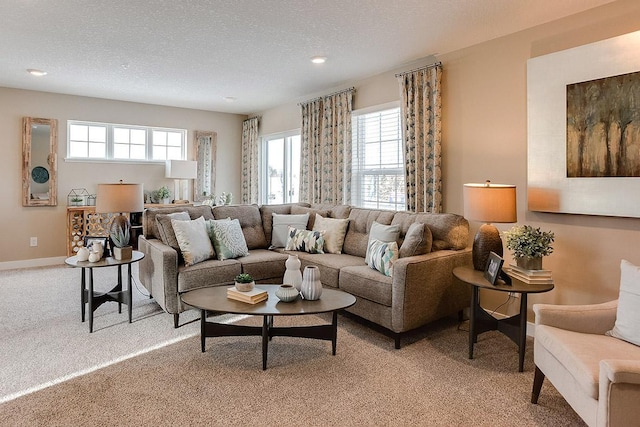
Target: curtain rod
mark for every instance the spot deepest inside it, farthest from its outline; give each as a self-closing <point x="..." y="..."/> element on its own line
<point x="426" y="67"/>
<point x="326" y="96"/>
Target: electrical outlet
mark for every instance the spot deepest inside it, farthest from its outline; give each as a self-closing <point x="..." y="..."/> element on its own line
<point x="33" y="241"/>
<point x="514" y="294"/>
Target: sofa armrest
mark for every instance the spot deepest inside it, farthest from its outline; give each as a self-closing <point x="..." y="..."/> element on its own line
<point x="159" y="273"/>
<point x="586" y="318"/>
<point x="424" y="288"/>
<point x="619" y="392"/>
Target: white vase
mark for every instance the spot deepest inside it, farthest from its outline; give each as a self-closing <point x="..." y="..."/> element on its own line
<point x="287" y="293"/>
<point x="83" y="254"/>
<point x="311" y="287"/>
<point x="293" y="275"/>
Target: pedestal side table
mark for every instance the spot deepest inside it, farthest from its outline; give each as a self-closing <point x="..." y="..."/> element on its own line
<point x="96" y="299"/>
<point x="515" y="327"/>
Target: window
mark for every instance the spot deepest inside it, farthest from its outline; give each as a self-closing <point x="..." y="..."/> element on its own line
<point x="280" y="168"/>
<point x="378" y="162"/>
<point x="108" y="141"/>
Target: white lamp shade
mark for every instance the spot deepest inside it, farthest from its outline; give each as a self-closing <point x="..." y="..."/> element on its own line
<point x="181" y="169"/>
<point x="493" y="203"/>
<point x="119" y="198"/>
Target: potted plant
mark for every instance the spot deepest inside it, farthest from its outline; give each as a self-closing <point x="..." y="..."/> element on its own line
<point x="163" y="194"/>
<point x="529" y="245"/>
<point x="76" y="201"/>
<point x="120" y="234"/>
<point x="244" y="282"/>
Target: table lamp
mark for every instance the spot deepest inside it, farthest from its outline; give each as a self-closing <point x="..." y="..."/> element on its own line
<point x="120" y="198"/>
<point x="181" y="171"/>
<point x="488" y="203"/>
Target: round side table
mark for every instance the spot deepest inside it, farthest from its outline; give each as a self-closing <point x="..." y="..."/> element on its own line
<point x="515" y="327"/>
<point x="96" y="299"/>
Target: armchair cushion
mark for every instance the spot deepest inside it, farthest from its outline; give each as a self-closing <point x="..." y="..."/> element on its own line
<point x="627" y="326"/>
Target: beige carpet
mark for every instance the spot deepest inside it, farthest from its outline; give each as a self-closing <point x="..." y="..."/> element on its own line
<point x="429" y="381"/>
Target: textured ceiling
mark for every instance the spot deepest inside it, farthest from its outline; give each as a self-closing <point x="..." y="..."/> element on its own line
<point x="193" y="54"/>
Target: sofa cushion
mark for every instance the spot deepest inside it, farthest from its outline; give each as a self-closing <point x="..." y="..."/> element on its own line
<point x="263" y="264"/>
<point x="193" y="240"/>
<point x="250" y="221"/>
<point x="364" y="282"/>
<point x="165" y="228"/>
<point x="580" y="354"/>
<point x="208" y="273"/>
<point x="330" y="265"/>
<point x="281" y="223"/>
<point x="382" y="255"/>
<point x="334" y="232"/>
<point x="383" y="233"/>
<point x="628" y="314"/>
<point x="450" y="231"/>
<point x="297" y="210"/>
<point x="335" y="211"/>
<point x="228" y="239"/>
<point x="360" y="222"/>
<point x="305" y="241"/>
<point x="149" y="224"/>
<point x="417" y="241"/>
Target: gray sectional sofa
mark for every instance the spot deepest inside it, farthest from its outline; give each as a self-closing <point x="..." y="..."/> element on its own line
<point x="421" y="289"/>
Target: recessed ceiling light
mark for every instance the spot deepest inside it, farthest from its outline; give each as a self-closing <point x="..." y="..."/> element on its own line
<point x="35" y="72"/>
<point x="229" y="98"/>
<point x="319" y="59"/>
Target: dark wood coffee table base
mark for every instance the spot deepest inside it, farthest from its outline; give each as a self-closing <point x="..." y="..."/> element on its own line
<point x="214" y="299"/>
<point x="268" y="331"/>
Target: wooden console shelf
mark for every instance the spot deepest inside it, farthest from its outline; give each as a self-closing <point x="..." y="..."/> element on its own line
<point x="84" y="221"/>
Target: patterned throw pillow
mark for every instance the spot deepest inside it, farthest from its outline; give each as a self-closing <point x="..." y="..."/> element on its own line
<point x="382" y="232"/>
<point x="228" y="239"/>
<point x="305" y="241"/>
<point x="193" y="240"/>
<point x="382" y="256"/>
<point x="334" y="232"/>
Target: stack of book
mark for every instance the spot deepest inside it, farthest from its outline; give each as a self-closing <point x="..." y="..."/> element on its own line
<point x="530" y="276"/>
<point x="254" y="296"/>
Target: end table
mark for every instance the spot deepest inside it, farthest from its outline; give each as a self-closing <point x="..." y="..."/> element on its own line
<point x="515" y="327"/>
<point x="96" y="299"/>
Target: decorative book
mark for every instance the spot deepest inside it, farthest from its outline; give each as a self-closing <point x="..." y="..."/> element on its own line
<point x="530" y="276"/>
<point x="254" y="296"/>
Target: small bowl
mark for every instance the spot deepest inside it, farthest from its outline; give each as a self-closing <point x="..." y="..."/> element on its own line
<point x="287" y="293"/>
<point x="245" y="287"/>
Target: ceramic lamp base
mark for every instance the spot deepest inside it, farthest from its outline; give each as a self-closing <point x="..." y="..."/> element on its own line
<point x="487" y="240"/>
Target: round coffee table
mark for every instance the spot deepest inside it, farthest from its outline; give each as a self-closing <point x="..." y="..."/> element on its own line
<point x="215" y="299"/>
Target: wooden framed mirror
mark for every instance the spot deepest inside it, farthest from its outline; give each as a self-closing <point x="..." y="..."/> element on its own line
<point x="39" y="161"/>
<point x="204" y="185"/>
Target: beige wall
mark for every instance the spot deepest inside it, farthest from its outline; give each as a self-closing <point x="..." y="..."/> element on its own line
<point x="485" y="137"/>
<point x="48" y="224"/>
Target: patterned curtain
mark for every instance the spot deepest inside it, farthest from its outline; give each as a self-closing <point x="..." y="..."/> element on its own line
<point x="325" y="173"/>
<point x="250" y="161"/>
<point x="421" y="124"/>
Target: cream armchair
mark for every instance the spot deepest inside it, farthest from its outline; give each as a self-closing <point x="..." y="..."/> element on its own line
<point x="598" y="375"/>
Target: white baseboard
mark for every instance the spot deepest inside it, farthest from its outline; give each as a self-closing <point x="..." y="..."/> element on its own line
<point x="29" y="263"/>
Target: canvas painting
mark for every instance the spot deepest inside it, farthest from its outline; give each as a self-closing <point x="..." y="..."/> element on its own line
<point x="603" y="126"/>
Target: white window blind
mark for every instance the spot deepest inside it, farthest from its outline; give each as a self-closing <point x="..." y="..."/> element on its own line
<point x="378" y="160"/>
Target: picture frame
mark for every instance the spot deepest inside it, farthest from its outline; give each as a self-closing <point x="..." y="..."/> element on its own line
<point x="89" y="240"/>
<point x="549" y="186"/>
<point x="493" y="267"/>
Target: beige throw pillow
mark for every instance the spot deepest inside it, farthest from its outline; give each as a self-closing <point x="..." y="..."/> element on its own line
<point x="417" y="241"/>
<point x="193" y="239"/>
<point x="334" y="232"/>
